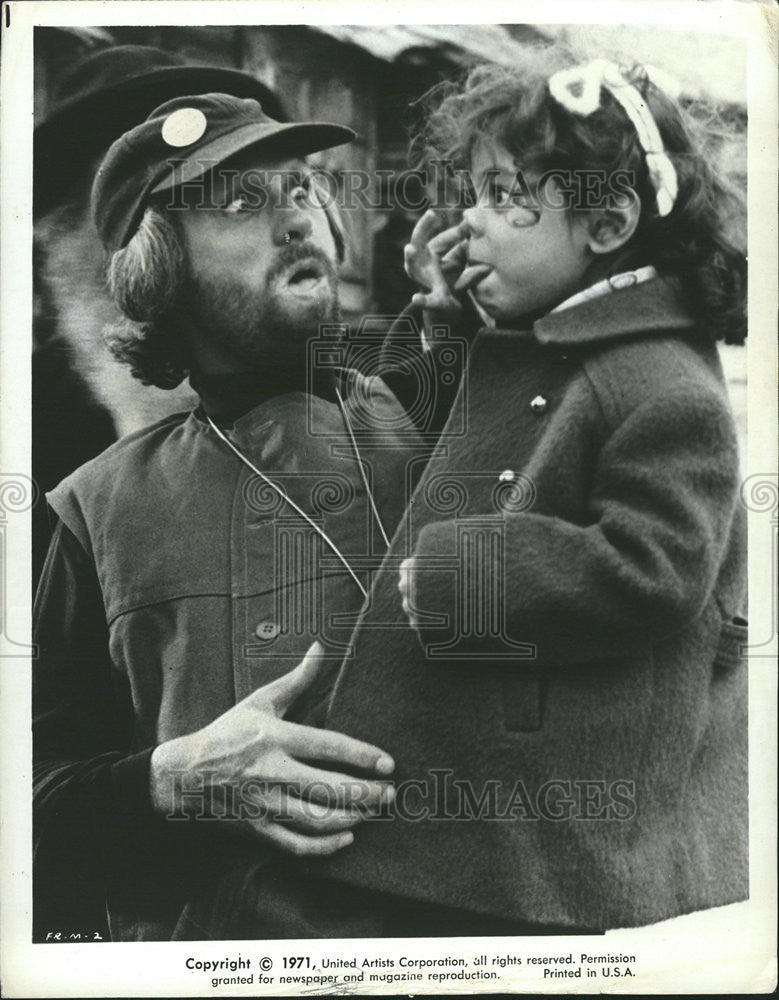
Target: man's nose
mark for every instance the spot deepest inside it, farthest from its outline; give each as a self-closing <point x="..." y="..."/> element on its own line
<point x="292" y="221"/>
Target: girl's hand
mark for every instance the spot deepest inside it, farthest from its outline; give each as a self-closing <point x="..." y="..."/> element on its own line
<point x="434" y="260"/>
<point x="406" y="588"/>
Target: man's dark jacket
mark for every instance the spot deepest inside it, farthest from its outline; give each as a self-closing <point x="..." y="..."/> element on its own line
<point x="177" y="584"/>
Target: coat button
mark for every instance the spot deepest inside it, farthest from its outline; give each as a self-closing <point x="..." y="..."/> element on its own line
<point x="267" y="631"/>
<point x="507" y="476"/>
<point x="538" y="404"/>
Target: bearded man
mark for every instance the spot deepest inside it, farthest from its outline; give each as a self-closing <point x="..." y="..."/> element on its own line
<point x="81" y="400"/>
<point x="194" y="562"/>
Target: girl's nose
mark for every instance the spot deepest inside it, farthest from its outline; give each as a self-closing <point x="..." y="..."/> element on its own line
<point x="472" y="221"/>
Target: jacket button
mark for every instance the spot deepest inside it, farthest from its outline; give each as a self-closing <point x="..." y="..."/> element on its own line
<point x="538" y="404"/>
<point x="267" y="631"/>
<point x="507" y="476"/>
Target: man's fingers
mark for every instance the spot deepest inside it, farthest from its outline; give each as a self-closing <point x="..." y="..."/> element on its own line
<point x="308" y="743"/>
<point x="311" y="817"/>
<point x="300" y="844"/>
<point x="281" y="693"/>
<point x="335" y="790"/>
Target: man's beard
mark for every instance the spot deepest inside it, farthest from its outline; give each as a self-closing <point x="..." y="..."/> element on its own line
<point x="270" y="327"/>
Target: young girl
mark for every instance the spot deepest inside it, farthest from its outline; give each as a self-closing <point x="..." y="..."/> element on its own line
<point x="568" y="711"/>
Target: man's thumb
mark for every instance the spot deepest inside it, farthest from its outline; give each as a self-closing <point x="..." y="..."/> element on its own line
<point x="283" y="692"/>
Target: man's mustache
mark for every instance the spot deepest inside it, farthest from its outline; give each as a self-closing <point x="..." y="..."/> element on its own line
<point x="304" y="250"/>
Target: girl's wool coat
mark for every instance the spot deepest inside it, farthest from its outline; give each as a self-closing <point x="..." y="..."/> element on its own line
<point x="570" y="725"/>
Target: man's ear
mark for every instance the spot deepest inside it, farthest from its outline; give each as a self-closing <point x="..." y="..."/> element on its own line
<point x="609" y="229"/>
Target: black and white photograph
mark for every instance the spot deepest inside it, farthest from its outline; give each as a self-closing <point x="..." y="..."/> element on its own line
<point x="388" y="499"/>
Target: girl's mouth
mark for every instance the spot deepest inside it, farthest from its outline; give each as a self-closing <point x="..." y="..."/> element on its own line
<point x="474" y="272"/>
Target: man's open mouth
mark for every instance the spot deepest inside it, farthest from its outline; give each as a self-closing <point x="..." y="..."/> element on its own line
<point x="304" y="275"/>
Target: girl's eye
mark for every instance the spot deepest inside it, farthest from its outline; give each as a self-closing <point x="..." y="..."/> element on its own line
<point x="500" y="195"/>
<point x="504" y="197"/>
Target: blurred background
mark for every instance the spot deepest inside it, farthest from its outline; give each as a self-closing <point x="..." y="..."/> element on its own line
<point x="365" y="76"/>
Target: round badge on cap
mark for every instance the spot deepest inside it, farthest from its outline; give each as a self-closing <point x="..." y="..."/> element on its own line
<point x="183" y="127"/>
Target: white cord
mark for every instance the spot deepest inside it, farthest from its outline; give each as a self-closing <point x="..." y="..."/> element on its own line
<point x="291" y="502"/>
<point x="362" y="467"/>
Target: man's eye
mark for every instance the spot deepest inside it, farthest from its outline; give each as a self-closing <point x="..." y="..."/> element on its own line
<point x="238" y="205"/>
<point x="304" y="192"/>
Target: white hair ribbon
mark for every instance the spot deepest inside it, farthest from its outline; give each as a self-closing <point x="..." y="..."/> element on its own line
<point x="578" y="90"/>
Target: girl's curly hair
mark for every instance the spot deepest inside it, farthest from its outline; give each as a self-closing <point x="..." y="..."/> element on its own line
<point x="513" y="107"/>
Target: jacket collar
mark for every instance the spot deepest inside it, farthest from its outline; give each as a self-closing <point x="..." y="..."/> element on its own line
<point x="648" y="307"/>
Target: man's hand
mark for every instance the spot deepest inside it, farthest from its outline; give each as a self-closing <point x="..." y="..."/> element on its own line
<point x="406" y="588"/>
<point x="434" y="261"/>
<point x="281" y="780"/>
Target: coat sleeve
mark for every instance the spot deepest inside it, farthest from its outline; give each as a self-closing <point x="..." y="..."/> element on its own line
<point x="661" y="508"/>
<point x="93" y="822"/>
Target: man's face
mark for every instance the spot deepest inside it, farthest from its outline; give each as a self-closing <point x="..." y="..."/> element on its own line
<point x="261" y="266"/>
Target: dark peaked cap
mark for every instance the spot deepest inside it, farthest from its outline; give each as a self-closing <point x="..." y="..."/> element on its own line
<point x="107" y="93"/>
<point x="182" y="141"/>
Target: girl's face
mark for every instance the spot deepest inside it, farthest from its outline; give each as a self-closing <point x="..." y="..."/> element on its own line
<point x="536" y="256"/>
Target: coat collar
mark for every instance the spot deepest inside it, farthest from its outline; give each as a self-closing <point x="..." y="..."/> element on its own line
<point x="648" y="307"/>
<point x="651" y="306"/>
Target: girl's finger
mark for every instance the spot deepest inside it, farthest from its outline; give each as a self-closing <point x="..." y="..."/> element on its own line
<point x="456" y="257"/>
<point x="442" y="301"/>
<point x="445" y="241"/>
<point x="426" y="228"/>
